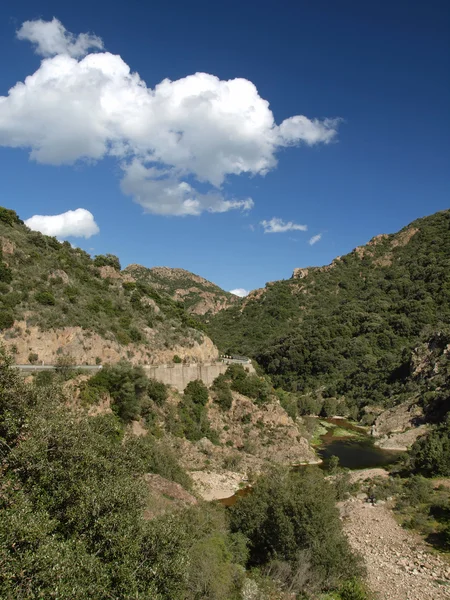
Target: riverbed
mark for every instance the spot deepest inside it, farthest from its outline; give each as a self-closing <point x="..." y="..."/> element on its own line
<point x="349" y="442"/>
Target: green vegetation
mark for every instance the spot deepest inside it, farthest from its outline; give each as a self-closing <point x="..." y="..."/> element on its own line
<point x="193" y="423"/>
<point x="74" y="498"/>
<point x="131" y="390"/>
<point x="291" y="519"/>
<point x="420" y="504"/>
<point x="194" y="289"/>
<point x="349" y="330"/>
<point x="52" y="285"/>
<point x="430" y="455"/>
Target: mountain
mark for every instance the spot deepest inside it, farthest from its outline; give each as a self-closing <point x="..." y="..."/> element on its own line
<point x="198" y="295"/>
<point x="56" y="299"/>
<point x="348" y="330"/>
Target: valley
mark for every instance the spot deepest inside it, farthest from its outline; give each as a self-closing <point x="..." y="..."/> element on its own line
<point x="122" y="384"/>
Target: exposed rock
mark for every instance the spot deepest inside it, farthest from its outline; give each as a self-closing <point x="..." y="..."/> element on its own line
<point x="300" y="273"/>
<point x="7" y="246"/>
<point x="402" y="441"/>
<point x="398" y="419"/>
<point x="402" y="238"/>
<point x="85" y="347"/>
<point x="215" y="486"/>
<point x="59" y="274"/>
<point x="108" y="272"/>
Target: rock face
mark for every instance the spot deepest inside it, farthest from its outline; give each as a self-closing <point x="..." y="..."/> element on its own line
<point x="85" y="347"/>
<point x="250" y="437"/>
<point x="399" y="427"/>
<point x="399" y="565"/>
<point x="199" y="296"/>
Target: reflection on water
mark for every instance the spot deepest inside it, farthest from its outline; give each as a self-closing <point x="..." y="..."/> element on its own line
<point x="353" y="452"/>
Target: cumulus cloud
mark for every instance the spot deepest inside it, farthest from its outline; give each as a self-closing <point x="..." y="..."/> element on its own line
<point x="315" y="239"/>
<point x="168" y="140"/>
<point x="276" y="225"/>
<point x="163" y="194"/>
<point x="51" y="38"/>
<point x="73" y="223"/>
<point x="240" y="292"/>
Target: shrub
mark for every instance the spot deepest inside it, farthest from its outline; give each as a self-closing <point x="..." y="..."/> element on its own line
<point x="176" y="359"/>
<point x="72" y="293"/>
<point x="354" y="590"/>
<point x="126" y="384"/>
<point x="8" y="216"/>
<point x="198" y="391"/>
<point x="418" y="490"/>
<point x="6" y="319"/>
<point x="288" y="513"/>
<point x="45" y="298"/>
<point x="157" y="391"/>
<point x="5" y="273"/>
<point x="107" y="260"/>
<point x="430" y="455"/>
<point x="44" y="378"/>
<point x="33" y="358"/>
<point x="224" y="398"/>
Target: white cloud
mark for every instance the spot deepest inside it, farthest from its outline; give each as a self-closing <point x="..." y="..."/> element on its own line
<point x="276" y="225"/>
<point x="51" y="38"/>
<point x="73" y="223"/>
<point x="198" y="129"/>
<point x="161" y="193"/>
<point x="315" y="239"/>
<point x="240" y="292"/>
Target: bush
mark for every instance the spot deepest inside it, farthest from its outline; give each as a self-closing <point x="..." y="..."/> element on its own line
<point x="45" y="298"/>
<point x="8" y="216"/>
<point x="5" y="273"/>
<point x="288" y="513"/>
<point x="198" y="391"/>
<point x="430" y="455"/>
<point x="33" y="358"/>
<point x="418" y="490"/>
<point x="176" y="359"/>
<point x="107" y="260"/>
<point x="224" y="398"/>
<point x="126" y="384"/>
<point x="354" y="590"/>
<point x="157" y="391"/>
<point x="6" y="319"/>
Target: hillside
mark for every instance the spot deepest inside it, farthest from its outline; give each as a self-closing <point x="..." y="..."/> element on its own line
<point x="198" y="295"/>
<point x="55" y="299"/>
<point x="349" y="329"/>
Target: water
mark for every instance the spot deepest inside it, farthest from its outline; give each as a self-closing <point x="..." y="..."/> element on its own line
<point x="353" y="452"/>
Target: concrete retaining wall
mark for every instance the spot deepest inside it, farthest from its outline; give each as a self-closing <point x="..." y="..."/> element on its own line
<point x="179" y="375"/>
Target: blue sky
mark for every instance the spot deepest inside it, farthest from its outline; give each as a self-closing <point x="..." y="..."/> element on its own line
<point x="185" y="175"/>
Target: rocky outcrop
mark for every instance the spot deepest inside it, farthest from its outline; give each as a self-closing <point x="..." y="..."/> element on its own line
<point x="86" y="347"/>
<point x="199" y="295"/>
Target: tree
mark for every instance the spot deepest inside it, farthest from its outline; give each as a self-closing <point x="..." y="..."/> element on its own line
<point x="107" y="260"/>
<point x="430" y="455"/>
<point x="288" y="513"/>
<point x="197" y="391"/>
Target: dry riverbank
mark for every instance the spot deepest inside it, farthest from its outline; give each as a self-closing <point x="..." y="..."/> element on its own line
<point x="400" y="565"/>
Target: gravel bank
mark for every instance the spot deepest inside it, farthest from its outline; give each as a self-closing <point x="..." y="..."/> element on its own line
<point x="400" y="565"/>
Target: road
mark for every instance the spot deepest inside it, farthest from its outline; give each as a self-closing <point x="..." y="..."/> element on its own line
<point x="33" y="368"/>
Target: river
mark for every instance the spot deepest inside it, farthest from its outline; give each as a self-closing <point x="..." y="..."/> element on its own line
<point x="350" y="443"/>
